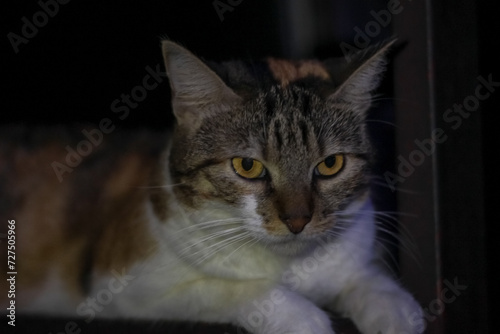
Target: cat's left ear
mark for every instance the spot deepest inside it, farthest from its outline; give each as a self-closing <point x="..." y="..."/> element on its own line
<point x="196" y="89"/>
<point x="359" y="76"/>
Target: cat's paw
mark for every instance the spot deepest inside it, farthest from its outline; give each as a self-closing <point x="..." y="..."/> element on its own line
<point x="312" y="324"/>
<point x="293" y="315"/>
<point x="392" y="313"/>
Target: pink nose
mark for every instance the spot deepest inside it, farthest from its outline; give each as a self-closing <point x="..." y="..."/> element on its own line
<point x="295" y="224"/>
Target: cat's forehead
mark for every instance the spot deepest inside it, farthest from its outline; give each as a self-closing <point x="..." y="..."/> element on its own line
<point x="296" y="121"/>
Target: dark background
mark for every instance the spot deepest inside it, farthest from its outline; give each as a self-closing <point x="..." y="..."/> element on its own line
<point x="91" y="52"/>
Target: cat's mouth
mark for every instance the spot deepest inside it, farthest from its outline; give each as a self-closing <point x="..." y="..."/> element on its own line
<point x="289" y="243"/>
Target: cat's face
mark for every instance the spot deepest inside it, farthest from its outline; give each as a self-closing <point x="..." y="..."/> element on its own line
<point x="289" y="159"/>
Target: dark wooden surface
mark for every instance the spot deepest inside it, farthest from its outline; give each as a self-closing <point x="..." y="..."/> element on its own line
<point x="417" y="198"/>
<point x="33" y="325"/>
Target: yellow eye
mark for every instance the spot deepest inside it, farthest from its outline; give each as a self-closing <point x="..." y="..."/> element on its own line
<point x="248" y="168"/>
<point x="330" y="166"/>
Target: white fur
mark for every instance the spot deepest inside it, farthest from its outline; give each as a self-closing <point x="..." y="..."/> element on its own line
<point x="51" y="296"/>
<point x="249" y="285"/>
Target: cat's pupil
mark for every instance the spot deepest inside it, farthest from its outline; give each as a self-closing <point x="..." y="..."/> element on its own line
<point x="330" y="161"/>
<point x="247" y="164"/>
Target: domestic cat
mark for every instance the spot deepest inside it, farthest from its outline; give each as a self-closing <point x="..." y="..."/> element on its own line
<point x="254" y="211"/>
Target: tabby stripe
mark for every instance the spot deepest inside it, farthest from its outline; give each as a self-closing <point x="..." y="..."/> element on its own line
<point x="305" y="133"/>
<point x="277" y="134"/>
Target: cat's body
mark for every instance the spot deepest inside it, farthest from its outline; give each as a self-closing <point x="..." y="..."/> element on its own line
<point x="257" y="211"/>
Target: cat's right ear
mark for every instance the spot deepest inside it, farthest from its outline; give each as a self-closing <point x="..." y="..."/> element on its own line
<point x="197" y="91"/>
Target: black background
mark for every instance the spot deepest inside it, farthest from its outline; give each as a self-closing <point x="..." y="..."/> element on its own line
<point x="91" y="52"/>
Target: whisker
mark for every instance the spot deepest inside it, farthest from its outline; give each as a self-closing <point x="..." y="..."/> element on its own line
<point x="383" y="122"/>
<point x="398" y="188"/>
<point x="163" y="186"/>
<point x="387" y="258"/>
<point x="218" y="246"/>
<point x="212" y="224"/>
<point x="387" y="218"/>
<point x="207" y="237"/>
<point x="335" y="234"/>
<point x="402" y="230"/>
<point x="396" y="234"/>
<point x="252" y="240"/>
<point x="380" y="243"/>
<point x="406" y="247"/>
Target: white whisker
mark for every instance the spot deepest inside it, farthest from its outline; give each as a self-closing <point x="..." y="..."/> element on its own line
<point x="379" y="181"/>
<point x="382" y="122"/>
<point x="207" y="237"/>
<point x="162" y="187"/>
<point x="212" y="224"/>
<point x="218" y="246"/>
<point x="251" y="240"/>
<point x="387" y="224"/>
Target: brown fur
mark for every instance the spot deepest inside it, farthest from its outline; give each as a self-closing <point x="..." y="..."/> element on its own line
<point x="94" y="220"/>
<point x="286" y="72"/>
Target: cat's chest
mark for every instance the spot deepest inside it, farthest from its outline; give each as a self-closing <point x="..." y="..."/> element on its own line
<point x="216" y="243"/>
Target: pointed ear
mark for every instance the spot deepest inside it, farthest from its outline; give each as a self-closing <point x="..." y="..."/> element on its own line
<point x="193" y="84"/>
<point x="360" y="76"/>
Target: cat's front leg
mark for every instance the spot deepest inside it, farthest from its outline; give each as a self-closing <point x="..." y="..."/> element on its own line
<point x="261" y="306"/>
<point x="378" y="305"/>
<point x="346" y="281"/>
<point x="281" y="311"/>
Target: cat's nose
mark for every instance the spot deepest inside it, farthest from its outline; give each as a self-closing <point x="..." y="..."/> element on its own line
<point x="295" y="224"/>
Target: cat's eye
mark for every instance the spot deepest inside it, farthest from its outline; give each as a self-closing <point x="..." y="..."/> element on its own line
<point x="248" y="168"/>
<point x="330" y="166"/>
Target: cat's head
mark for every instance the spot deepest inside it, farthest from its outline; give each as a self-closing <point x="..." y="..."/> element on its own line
<point x="282" y="144"/>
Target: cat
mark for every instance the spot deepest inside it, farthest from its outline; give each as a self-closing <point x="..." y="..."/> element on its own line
<point x="255" y="210"/>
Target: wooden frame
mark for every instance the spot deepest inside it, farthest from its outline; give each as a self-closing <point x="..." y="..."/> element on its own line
<point x="435" y="74"/>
